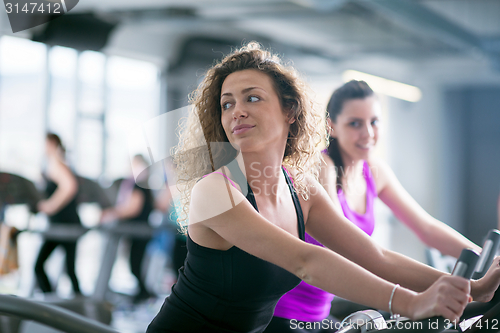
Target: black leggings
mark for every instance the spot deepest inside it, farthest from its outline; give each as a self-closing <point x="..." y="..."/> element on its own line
<point x="283" y="325"/>
<point x="137" y="250"/>
<point x="45" y="251"/>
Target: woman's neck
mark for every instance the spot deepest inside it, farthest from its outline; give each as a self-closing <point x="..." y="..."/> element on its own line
<point x="263" y="173"/>
<point x="352" y="171"/>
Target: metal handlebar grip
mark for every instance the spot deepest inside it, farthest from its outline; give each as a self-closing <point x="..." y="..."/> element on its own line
<point x="490" y="248"/>
<point x="466" y="264"/>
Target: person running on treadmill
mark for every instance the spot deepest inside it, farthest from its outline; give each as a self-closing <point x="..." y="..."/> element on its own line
<point x="134" y="204"/>
<point x="60" y="206"/>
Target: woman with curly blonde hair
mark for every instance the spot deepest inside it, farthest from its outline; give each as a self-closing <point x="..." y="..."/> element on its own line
<point x="246" y="166"/>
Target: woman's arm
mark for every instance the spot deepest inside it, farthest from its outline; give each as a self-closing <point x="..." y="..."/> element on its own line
<point x="67" y="187"/>
<point x="224" y="210"/>
<point x="128" y="209"/>
<point x="343" y="237"/>
<point x="431" y="231"/>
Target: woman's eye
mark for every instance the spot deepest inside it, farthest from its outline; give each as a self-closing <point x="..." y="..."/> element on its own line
<point x="253" y="99"/>
<point x="226" y="105"/>
<point x="375" y="122"/>
<point x="354" y="124"/>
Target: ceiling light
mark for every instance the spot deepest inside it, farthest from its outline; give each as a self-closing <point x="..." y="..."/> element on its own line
<point x="384" y="86"/>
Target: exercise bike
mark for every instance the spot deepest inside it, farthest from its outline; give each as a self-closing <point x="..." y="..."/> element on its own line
<point x="477" y="316"/>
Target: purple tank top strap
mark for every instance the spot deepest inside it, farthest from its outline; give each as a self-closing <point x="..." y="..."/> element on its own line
<point x="220" y="173"/>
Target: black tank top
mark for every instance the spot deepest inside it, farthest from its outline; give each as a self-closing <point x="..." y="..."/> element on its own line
<point x="226" y="291"/>
<point x="147" y="205"/>
<point x="66" y="214"/>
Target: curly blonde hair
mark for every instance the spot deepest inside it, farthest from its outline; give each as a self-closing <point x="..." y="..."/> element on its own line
<point x="198" y="153"/>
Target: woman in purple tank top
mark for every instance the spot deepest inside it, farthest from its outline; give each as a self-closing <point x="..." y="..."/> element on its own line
<point x="354" y="178"/>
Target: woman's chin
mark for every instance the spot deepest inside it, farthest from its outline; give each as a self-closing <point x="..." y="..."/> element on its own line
<point x="235" y="146"/>
<point x="364" y="154"/>
<point x="245" y="146"/>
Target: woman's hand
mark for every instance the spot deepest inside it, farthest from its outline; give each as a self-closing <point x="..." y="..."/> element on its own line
<point x="46" y="207"/>
<point x="108" y="215"/>
<point x="484" y="288"/>
<point x="447" y="297"/>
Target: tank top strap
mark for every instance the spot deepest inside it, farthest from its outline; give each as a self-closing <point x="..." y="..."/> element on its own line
<point x="288" y="174"/>
<point x="296" y="203"/>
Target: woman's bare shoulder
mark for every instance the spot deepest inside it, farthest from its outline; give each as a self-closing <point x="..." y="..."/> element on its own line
<point x="211" y="196"/>
<point x="59" y="171"/>
<point x="376" y="162"/>
<point x="381" y="172"/>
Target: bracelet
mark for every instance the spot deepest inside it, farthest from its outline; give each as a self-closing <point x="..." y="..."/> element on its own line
<point x="390" y="300"/>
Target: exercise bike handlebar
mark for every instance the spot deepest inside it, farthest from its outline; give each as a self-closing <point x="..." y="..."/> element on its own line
<point x="464" y="267"/>
<point x="466" y="264"/>
<point x="50" y="315"/>
<point x="490" y="248"/>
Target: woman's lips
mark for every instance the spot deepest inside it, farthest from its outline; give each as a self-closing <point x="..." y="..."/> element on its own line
<point x="242" y="129"/>
<point x="365" y="147"/>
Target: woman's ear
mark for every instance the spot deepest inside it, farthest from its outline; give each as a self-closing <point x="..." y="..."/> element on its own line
<point x="290" y="111"/>
<point x="330" y="126"/>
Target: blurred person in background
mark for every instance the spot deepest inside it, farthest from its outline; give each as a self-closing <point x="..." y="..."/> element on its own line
<point x="60" y="206"/>
<point x="134" y="204"/>
<point x="178" y="251"/>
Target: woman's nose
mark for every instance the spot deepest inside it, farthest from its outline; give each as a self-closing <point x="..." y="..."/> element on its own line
<point x="239" y="111"/>
<point x="369" y="131"/>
